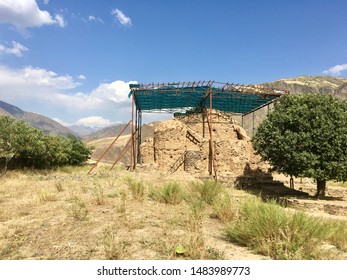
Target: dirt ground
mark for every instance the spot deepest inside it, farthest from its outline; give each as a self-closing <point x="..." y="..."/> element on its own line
<point x="68" y="215"/>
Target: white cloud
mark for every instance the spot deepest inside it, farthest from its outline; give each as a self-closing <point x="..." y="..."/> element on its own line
<point x="23" y="14"/>
<point x="51" y="94"/>
<point x="82" y="77"/>
<point x="93" y="18"/>
<point x="336" y="70"/>
<point x="94" y="121"/>
<point x="121" y="17"/>
<point x="17" y="49"/>
<point x="60" y="20"/>
<point x="46" y="2"/>
<point x="116" y="91"/>
<point x="49" y="79"/>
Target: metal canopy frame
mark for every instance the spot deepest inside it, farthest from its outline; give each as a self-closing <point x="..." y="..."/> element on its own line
<point x="185" y="96"/>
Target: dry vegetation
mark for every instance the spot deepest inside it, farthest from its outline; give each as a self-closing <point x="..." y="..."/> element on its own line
<point x="66" y="214"/>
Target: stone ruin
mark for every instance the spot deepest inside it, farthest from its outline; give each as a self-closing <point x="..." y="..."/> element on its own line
<point x="182" y="144"/>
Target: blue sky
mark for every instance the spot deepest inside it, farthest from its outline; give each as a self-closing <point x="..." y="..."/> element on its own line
<point x="72" y="60"/>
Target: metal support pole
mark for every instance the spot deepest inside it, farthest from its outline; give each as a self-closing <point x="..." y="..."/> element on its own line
<point x="132" y="132"/>
<point x="139" y="137"/>
<point x="253" y="124"/>
<point x="242" y="122"/>
<point x="211" y="139"/>
<point x="203" y="123"/>
<point x="135" y="138"/>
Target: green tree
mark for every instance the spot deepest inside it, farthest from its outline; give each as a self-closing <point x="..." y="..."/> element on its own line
<point x="78" y="152"/>
<point x="13" y="136"/>
<point x="306" y="136"/>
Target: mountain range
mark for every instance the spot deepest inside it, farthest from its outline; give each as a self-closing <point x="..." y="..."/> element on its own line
<point x="302" y="84"/>
<point x="46" y="124"/>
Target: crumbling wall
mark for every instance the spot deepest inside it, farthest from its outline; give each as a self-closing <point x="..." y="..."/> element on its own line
<point x="169" y="143"/>
<point x="179" y="145"/>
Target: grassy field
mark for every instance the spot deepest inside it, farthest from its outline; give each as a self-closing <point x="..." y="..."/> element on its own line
<point x="65" y="214"/>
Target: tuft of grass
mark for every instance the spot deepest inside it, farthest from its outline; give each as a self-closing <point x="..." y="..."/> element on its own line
<point x="122" y="206"/>
<point x="338" y="236"/>
<point x="59" y="186"/>
<point x="137" y="189"/>
<point x="78" y="209"/>
<point x="114" y="246"/>
<point x="207" y="191"/>
<point x="170" y="193"/>
<point x="98" y="194"/>
<point x="196" y="207"/>
<point x="45" y="195"/>
<point x="225" y="208"/>
<point x="270" y="230"/>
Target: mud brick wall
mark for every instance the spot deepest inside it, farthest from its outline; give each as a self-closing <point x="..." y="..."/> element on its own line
<point x="169" y="143"/>
<point x="233" y="151"/>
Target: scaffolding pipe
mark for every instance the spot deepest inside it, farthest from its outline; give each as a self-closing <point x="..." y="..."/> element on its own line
<point x="109" y="147"/>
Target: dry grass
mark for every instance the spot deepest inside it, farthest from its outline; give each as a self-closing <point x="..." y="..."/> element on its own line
<point x="66" y="214"/>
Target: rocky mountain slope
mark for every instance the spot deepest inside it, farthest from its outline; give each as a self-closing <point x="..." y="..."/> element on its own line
<point x="313" y="84"/>
<point x="46" y="124"/>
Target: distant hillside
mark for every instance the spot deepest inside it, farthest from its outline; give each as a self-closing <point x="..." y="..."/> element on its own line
<point x="83" y="130"/>
<point x="313" y="84"/>
<point x="46" y="124"/>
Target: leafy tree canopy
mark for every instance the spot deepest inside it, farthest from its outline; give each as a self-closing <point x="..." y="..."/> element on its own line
<point x="306" y="136"/>
<point x="36" y="149"/>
